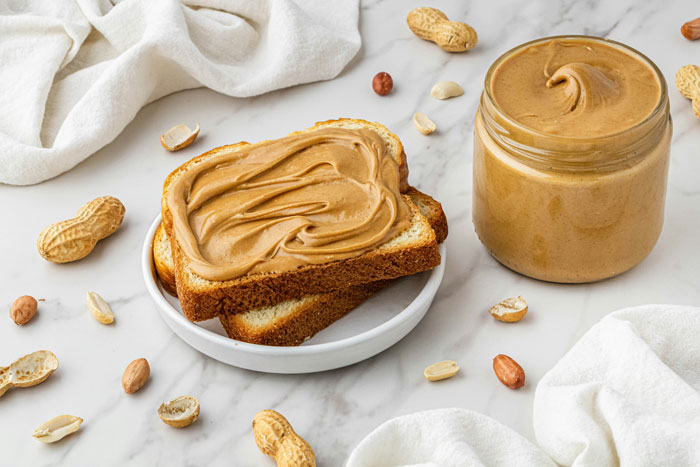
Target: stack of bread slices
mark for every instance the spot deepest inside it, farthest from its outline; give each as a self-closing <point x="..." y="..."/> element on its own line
<point x="287" y="308"/>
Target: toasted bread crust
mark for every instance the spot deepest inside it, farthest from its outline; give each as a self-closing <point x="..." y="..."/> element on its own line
<point x="323" y="310"/>
<point x="306" y="320"/>
<point x="260" y="290"/>
<point x="432" y="210"/>
<point x="306" y="317"/>
<point x="429" y="207"/>
<point x="166" y="272"/>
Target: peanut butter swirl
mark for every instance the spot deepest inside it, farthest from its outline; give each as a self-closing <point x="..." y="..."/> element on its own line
<point x="577" y="88"/>
<point x="309" y="198"/>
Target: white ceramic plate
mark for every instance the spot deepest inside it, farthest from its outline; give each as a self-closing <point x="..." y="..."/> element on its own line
<point x="373" y="327"/>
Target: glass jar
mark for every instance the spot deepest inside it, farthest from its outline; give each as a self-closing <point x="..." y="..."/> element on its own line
<point x="569" y="209"/>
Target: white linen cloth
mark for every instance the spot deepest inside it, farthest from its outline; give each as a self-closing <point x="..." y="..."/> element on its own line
<point x="74" y="73"/>
<point x="446" y="438"/>
<point x="628" y="393"/>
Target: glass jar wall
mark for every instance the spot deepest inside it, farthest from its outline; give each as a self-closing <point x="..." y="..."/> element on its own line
<point x="569" y="184"/>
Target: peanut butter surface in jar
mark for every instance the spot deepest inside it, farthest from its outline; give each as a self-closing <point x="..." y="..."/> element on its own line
<point x="571" y="152"/>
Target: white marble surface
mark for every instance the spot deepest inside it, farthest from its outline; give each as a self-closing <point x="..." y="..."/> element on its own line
<point x="333" y="410"/>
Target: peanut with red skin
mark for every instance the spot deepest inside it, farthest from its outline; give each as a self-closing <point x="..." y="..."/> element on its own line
<point x="382" y="83"/>
<point x="23" y="310"/>
<point x="691" y="29"/>
<point x="508" y="371"/>
<point x="135" y="375"/>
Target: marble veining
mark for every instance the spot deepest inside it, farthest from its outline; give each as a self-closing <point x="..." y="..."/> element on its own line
<point x="335" y="409"/>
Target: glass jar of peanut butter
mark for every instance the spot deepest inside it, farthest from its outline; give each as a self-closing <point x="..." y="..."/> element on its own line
<point x="571" y="153"/>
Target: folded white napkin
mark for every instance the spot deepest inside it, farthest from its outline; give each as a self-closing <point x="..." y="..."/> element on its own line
<point x="628" y="393"/>
<point x="446" y="438"/>
<point x="75" y="72"/>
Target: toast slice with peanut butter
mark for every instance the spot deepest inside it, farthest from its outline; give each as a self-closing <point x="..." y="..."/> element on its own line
<point x="292" y="322"/>
<point x="324" y="209"/>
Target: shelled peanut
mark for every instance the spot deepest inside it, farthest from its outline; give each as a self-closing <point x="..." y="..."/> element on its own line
<point x="691" y="29"/>
<point x="508" y="371"/>
<point x="135" y="375"/>
<point x="99" y="308"/>
<point x="382" y="83"/>
<point x="57" y="428"/>
<point x="23" y="310"/>
<point x="441" y="370"/>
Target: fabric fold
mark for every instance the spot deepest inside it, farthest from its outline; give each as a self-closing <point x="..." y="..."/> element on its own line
<point x="76" y="72"/>
<point x="626" y="394"/>
<point x="446" y="438"/>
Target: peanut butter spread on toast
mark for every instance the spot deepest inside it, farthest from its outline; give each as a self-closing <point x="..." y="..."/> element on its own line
<point x="308" y="198"/>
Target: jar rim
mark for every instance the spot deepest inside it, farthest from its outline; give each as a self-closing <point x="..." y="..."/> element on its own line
<point x="660" y="105"/>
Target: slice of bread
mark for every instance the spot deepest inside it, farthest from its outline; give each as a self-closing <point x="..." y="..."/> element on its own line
<point x="414" y="250"/>
<point x="163" y="261"/>
<point x="294" y="321"/>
